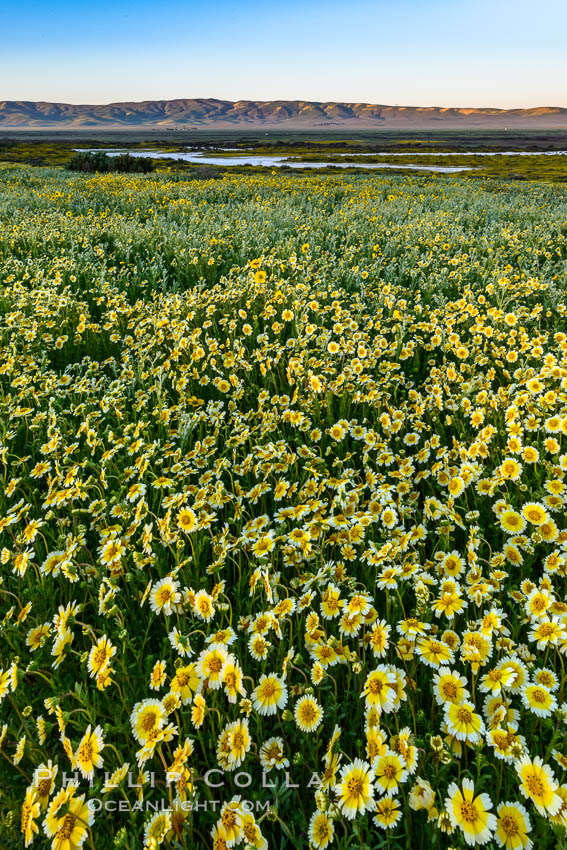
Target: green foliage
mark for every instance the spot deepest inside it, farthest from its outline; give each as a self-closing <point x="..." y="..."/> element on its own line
<point x="102" y="163"/>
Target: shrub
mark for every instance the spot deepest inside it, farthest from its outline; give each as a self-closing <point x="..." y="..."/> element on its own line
<point x="101" y="162"/>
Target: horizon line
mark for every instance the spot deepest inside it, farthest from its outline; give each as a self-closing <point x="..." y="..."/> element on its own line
<point x="286" y="100"/>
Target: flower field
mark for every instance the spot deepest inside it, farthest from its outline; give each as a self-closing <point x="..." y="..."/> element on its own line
<point x="283" y="538"/>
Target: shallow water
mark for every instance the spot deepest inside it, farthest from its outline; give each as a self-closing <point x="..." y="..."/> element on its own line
<point x="273" y="161"/>
<point x="345" y="161"/>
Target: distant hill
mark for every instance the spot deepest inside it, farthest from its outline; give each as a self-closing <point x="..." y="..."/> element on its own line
<point x="210" y="112"/>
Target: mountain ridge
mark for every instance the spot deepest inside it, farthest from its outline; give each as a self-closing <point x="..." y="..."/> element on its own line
<point x="194" y="113"/>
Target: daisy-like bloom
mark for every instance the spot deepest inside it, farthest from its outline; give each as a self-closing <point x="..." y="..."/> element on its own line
<point x="223" y="749"/>
<point x="136" y="492"/>
<point x="65" y="638"/>
<point x="379" y="689"/>
<point x="412" y="627"/>
<point x="5" y="683"/>
<point x="549" y="630"/>
<point x="269" y="694"/>
<point x="231" y="821"/>
<point x="157" y="676"/>
<point x="554" y="503"/>
<point x="218" y="835"/>
<point x="403" y="746"/>
<point x="535" y="386"/>
<point x="331" y="761"/>
<point x="185" y="683"/>
<point x="476" y="648"/>
<point x="547" y="678"/>
<point x="549" y="531"/>
<point x="198" y="711"/>
<point x="498" y="710"/>
<point x="463" y="722"/>
<point x="157" y="828"/>
<point x="251" y="832"/>
<point x="388" y="812"/>
<point x="239" y="742"/>
<point x="43" y="781"/>
<point x="115" y="778"/>
<point x="535" y="513"/>
<point x="512" y="827"/>
<point x="521" y="672"/>
<point x="88" y="755"/>
<point x="452" y="564"/>
<point x="553" y="424"/>
<point x="203" y="606"/>
<point x="337" y="432"/>
<point x="389" y="517"/>
<point x="20" y="749"/>
<point x="226" y="636"/>
<point x="21" y="563"/>
<point x="450" y="602"/>
<point x="331" y="602"/>
<point x="321" y="830"/>
<point x="68" y="819"/>
<point x="388" y="578"/>
<point x="180" y="643"/>
<point x="560" y="758"/>
<point x="325" y="655"/>
<point x="161" y="735"/>
<point x="456" y="486"/>
<point x="434" y="652"/>
<point x="30" y="812"/>
<point x="560" y="817"/>
<point x="36" y="637"/>
<point x="530" y="454"/>
<point x="264" y="545"/>
<point x="52" y="563"/>
<point x="375" y="743"/>
<point x="111" y="552"/>
<point x="421" y="796"/>
<point x="538" y="784"/>
<point x="187" y="520"/>
<point x="308" y="713"/>
<point x="232" y="679"/>
<point x="538" y="602"/>
<point x="389" y="771"/>
<point x="351" y="624"/>
<point x="380" y="638"/>
<point x="513" y="554"/>
<point x="147" y="717"/>
<point x="359" y="603"/>
<point x="355" y="789"/>
<point x="510" y="469"/>
<point x="506" y="743"/>
<point x="539" y="700"/>
<point x="272" y="754"/>
<point x="99" y="656"/>
<point x="471" y="814"/>
<point x="68" y="747"/>
<point x="165" y="596"/>
<point x="210" y="665"/>
<point x="496" y="679"/>
<point x="449" y="687"/>
<point x="512" y="522"/>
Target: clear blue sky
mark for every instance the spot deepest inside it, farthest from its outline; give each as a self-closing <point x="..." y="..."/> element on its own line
<point x="407" y="52"/>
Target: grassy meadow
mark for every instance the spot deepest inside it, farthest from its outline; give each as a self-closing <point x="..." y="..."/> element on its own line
<point x="282" y="517"/>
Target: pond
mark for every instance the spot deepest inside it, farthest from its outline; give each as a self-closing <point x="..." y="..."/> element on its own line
<point x="268" y="161"/>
